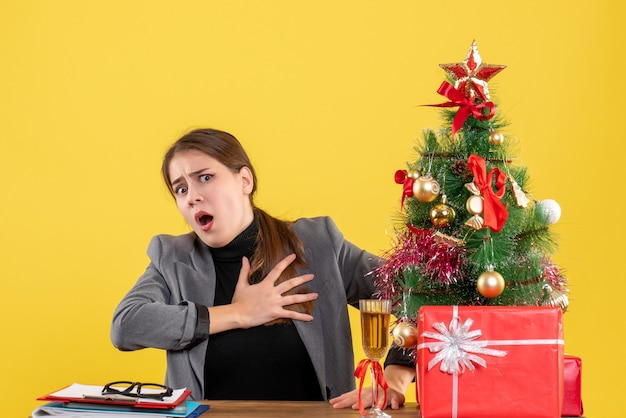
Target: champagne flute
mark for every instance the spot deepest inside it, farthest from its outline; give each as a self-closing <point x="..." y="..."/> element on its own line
<point x="375" y="339"/>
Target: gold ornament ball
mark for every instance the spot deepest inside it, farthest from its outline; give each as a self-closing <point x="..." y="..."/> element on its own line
<point x="496" y="138"/>
<point x="490" y="284"/>
<point x="442" y="215"/>
<point x="405" y="335"/>
<point x="425" y="189"/>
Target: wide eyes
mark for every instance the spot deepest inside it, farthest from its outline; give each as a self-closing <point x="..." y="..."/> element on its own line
<point x="205" y="177"/>
<point x="180" y="190"/>
<point x="202" y="178"/>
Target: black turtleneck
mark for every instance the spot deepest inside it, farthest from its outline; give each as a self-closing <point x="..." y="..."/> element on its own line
<point x="259" y="363"/>
<point x="227" y="262"/>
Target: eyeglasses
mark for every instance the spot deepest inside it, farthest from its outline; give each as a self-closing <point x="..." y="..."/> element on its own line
<point x="137" y="390"/>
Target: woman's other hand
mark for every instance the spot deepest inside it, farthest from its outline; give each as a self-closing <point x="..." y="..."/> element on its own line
<point x="398" y="378"/>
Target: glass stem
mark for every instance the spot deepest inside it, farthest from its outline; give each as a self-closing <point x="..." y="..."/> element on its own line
<point x="374" y="389"/>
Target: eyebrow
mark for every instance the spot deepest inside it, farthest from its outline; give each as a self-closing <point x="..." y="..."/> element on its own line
<point x="193" y="173"/>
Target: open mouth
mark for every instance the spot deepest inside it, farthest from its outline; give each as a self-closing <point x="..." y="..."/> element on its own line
<point x="204" y="220"/>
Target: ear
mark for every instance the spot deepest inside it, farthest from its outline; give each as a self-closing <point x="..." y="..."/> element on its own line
<point x="247" y="180"/>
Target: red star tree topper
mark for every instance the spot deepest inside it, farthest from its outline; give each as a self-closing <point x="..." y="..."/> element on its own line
<point x="472" y="74"/>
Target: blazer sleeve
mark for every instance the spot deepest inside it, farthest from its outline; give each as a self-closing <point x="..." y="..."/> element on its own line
<point x="154" y="313"/>
<point x="357" y="266"/>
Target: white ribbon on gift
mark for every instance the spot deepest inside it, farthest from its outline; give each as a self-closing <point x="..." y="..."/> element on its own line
<point x="457" y="349"/>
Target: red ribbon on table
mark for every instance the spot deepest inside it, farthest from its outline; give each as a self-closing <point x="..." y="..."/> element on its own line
<point x="377" y="370"/>
<point x="494" y="211"/>
<point x="403" y="178"/>
<point x="467" y="106"/>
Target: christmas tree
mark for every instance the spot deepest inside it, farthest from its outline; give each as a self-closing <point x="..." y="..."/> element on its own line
<point x="469" y="231"/>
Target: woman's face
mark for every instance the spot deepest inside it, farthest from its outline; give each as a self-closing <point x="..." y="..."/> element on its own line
<point x="214" y="201"/>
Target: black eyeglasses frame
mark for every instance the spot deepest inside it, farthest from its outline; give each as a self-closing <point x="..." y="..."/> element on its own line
<point x="108" y="389"/>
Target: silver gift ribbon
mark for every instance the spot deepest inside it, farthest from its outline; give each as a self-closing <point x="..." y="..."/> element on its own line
<point x="458" y="348"/>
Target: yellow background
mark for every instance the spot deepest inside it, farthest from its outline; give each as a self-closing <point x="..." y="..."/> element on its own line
<point x="325" y="96"/>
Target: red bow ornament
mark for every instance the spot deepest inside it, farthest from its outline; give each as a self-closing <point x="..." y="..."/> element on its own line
<point x="494" y="211"/>
<point x="467" y="106"/>
<point x="407" y="181"/>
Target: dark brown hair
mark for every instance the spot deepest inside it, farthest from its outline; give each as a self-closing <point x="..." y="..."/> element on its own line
<point x="275" y="239"/>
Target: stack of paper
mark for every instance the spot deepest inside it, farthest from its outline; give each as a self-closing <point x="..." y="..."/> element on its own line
<point x="87" y="401"/>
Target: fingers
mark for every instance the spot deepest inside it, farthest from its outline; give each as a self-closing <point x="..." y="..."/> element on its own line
<point x="396" y="399"/>
<point x="296" y="316"/>
<point x="350" y="399"/>
<point x="280" y="267"/>
<point x="291" y="299"/>
<point x="294" y="282"/>
<point x="244" y="273"/>
<point x="289" y="284"/>
<point x="395" y="404"/>
<point x="346" y="400"/>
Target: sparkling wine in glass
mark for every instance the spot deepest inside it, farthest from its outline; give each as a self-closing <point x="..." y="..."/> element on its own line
<point x="375" y="338"/>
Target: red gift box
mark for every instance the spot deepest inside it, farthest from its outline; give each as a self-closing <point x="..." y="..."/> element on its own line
<point x="490" y="362"/>
<point x="572" y="376"/>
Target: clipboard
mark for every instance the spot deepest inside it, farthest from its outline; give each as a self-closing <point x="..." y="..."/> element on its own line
<point x="93" y="394"/>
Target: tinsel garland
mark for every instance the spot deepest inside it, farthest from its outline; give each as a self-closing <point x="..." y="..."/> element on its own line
<point x="439" y="261"/>
<point x="553" y="274"/>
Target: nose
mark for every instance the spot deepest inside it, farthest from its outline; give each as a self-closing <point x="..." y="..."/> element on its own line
<point x="193" y="196"/>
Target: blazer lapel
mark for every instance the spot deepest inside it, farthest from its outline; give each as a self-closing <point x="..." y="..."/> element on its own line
<point x="312" y="334"/>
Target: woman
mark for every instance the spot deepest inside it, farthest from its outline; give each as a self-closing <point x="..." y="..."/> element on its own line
<point x="248" y="306"/>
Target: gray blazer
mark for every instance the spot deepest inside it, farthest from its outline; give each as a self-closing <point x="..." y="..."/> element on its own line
<point x="160" y="310"/>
